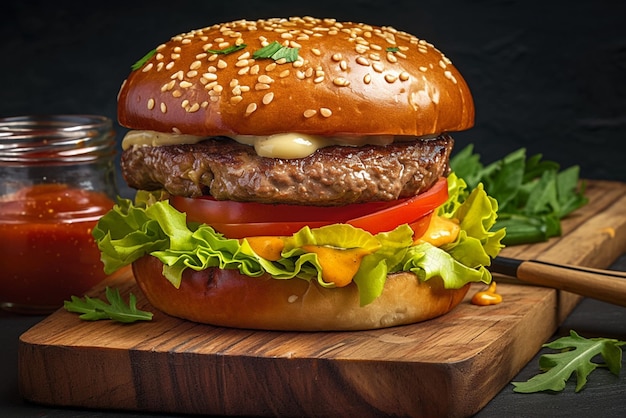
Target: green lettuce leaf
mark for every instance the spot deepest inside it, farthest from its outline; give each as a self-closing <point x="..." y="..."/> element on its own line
<point x="149" y="226"/>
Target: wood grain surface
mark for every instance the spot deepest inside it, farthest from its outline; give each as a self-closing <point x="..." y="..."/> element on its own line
<point x="449" y="366"/>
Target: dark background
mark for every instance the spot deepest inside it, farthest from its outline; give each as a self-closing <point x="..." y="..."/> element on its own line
<point x="549" y="76"/>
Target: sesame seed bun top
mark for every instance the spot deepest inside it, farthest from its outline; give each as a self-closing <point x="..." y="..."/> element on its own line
<point x="308" y="75"/>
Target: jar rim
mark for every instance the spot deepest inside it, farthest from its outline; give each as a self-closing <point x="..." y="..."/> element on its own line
<point x="56" y="138"/>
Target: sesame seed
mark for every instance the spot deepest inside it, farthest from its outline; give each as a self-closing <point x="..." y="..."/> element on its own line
<point x="169" y="86"/>
<point x="210" y="76"/>
<point x="284" y="73"/>
<point x="147" y="68"/>
<point x="174" y="56"/>
<point x="309" y="113"/>
<point x="194" y="108"/>
<point x="316" y="51"/>
<point x="178" y="74"/>
<point x="367" y="78"/>
<point x="261" y="86"/>
<point x="341" y="82"/>
<point x="404" y="76"/>
<point x="244" y="70"/>
<point x="442" y="64"/>
<point x="236" y="99"/>
<point x="270" y="67"/>
<point x="362" y="61"/>
<point x="254" y="70"/>
<point x="241" y="63"/>
<point x="150" y="104"/>
<point x="336" y="57"/>
<point x="184" y="103"/>
<point x="163" y="108"/>
<point x="378" y="67"/>
<point x="390" y="78"/>
<point x="267" y="99"/>
<point x="361" y="49"/>
<point x="244" y="56"/>
<point x="250" y="109"/>
<point x="319" y="79"/>
<point x="221" y="64"/>
<point x="195" y="65"/>
<point x="192" y="74"/>
<point x="169" y="66"/>
<point x="391" y="57"/>
<point x="160" y="66"/>
<point x="374" y="56"/>
<point x="265" y="79"/>
<point x="423" y="69"/>
<point x="326" y="112"/>
<point x="210" y="85"/>
<point x="185" y="84"/>
<point x="176" y="93"/>
<point x="343" y="65"/>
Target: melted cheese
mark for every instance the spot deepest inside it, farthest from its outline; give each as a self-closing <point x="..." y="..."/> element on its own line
<point x="440" y="231"/>
<point x="155" y="139"/>
<point x="284" y="145"/>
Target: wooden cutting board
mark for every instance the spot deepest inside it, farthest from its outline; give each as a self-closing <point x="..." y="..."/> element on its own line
<point x="450" y="366"/>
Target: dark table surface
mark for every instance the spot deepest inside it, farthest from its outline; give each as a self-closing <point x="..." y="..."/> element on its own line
<point x="603" y="396"/>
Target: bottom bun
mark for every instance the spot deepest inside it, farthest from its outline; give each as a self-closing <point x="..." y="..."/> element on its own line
<point x="228" y="298"/>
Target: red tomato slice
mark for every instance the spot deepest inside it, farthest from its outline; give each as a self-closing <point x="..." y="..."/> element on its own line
<point x="246" y="219"/>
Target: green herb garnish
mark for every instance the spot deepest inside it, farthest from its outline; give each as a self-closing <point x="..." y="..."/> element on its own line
<point x="277" y="51"/>
<point x="533" y="194"/>
<point x="226" y="51"/>
<point x="143" y="60"/>
<point x="576" y="356"/>
<point x="92" y="309"/>
<point x="392" y="49"/>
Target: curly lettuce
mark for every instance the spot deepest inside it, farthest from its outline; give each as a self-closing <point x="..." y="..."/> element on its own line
<point x="131" y="230"/>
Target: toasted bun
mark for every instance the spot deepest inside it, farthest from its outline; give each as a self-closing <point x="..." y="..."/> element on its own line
<point x="228" y="298"/>
<point x="348" y="79"/>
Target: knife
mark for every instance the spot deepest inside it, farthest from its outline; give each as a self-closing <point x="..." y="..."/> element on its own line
<point x="605" y="285"/>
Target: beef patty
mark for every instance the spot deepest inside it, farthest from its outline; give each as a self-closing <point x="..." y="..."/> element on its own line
<point x="332" y="176"/>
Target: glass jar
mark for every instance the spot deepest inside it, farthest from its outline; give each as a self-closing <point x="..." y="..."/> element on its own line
<point x="57" y="178"/>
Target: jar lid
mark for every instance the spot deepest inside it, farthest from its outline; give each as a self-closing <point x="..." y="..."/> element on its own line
<point x="58" y="139"/>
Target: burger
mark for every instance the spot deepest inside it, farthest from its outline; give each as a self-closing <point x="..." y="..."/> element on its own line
<point x="293" y="174"/>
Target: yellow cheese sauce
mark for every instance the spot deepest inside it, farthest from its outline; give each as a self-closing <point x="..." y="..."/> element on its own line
<point x="487" y="297"/>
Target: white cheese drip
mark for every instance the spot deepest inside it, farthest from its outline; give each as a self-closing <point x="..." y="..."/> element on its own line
<point x="284" y="145"/>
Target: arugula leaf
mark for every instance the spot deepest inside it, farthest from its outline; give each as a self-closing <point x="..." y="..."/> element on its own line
<point x="276" y="51"/>
<point x="576" y="356"/>
<point x="533" y="194"/>
<point x="226" y="51"/>
<point x="143" y="60"/>
<point x="92" y="309"/>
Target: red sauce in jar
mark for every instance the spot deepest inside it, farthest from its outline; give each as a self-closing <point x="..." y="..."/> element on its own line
<point x="47" y="252"/>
